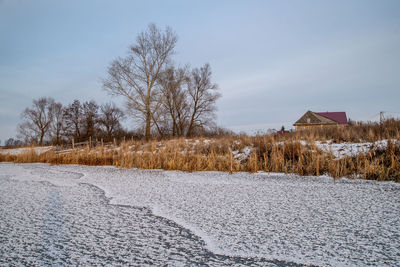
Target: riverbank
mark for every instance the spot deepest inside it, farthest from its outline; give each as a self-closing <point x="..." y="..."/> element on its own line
<point x="377" y="160"/>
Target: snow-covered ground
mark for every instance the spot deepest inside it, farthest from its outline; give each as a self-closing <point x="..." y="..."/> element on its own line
<point x="351" y="149"/>
<point x="262" y="219"/>
<point x="18" y="151"/>
<point x="338" y="150"/>
<point x="242" y="154"/>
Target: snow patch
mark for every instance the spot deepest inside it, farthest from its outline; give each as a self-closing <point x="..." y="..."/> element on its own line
<point x="19" y="151"/>
<point x="242" y="154"/>
<point x="342" y="150"/>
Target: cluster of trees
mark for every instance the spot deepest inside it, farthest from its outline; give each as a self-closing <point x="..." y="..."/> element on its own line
<point x="11" y="142"/>
<point x="166" y="100"/>
<point x="48" y="121"/>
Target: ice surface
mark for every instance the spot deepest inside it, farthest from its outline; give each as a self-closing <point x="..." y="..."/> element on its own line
<point x="267" y="217"/>
<point x="45" y="225"/>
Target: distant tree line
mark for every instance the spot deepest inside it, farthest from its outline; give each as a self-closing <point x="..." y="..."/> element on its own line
<point x="48" y="121"/>
<point x="11" y="142"/>
<point x="164" y="99"/>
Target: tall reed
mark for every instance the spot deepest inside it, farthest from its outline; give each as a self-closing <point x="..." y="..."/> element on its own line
<point x="271" y="153"/>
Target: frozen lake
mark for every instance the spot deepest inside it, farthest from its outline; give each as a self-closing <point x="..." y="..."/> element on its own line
<point x="70" y="215"/>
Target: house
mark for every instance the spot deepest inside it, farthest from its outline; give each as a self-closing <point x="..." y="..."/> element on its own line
<point x="320" y="119"/>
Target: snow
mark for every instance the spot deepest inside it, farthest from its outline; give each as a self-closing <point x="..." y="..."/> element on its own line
<point x="341" y="150"/>
<point x="242" y="154"/>
<point x="46" y="225"/>
<point x="306" y="220"/>
<point x="18" y="151"/>
<point x="338" y="150"/>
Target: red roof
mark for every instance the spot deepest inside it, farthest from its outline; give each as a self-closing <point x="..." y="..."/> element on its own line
<point x="340" y="117"/>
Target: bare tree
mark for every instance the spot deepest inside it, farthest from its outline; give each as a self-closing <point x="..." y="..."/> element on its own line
<point x="175" y="104"/>
<point x="109" y="119"/>
<point x="37" y="120"/>
<point x="11" y="142"/>
<point x="89" y="118"/>
<point x="135" y="76"/>
<point x="73" y="120"/>
<point x="57" y="125"/>
<point x="202" y="96"/>
<point x="27" y="132"/>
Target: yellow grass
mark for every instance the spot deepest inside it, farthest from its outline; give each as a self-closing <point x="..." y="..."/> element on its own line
<point x="270" y="153"/>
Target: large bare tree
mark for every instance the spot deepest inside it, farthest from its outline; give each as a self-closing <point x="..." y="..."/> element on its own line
<point x="134" y="77"/>
<point x="110" y="119"/>
<point x="202" y="97"/>
<point x="38" y="119"/>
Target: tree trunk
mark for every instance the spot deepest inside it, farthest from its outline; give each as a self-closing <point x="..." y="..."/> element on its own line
<point x="189" y="132"/>
<point x="148" y="121"/>
<point x="174" y="127"/>
<point x="158" y="129"/>
<point x="191" y="124"/>
<point x="41" y="139"/>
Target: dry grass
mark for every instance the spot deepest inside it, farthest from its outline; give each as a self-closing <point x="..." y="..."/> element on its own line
<point x="355" y="132"/>
<point x="269" y="153"/>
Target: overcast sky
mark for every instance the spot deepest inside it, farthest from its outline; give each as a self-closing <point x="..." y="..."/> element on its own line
<point x="273" y="60"/>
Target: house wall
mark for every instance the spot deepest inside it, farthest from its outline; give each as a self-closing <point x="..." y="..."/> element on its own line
<point x="310" y="126"/>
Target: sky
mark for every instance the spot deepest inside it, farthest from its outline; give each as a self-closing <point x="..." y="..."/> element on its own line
<point x="272" y="60"/>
